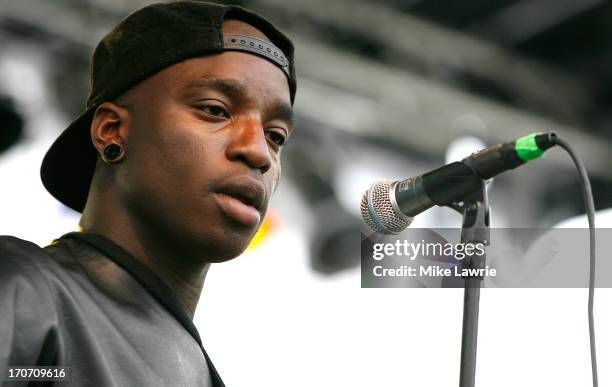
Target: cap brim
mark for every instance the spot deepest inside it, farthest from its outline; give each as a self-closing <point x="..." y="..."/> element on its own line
<point x="68" y="166"/>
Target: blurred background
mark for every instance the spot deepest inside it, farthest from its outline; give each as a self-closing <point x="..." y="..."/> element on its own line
<point x="386" y="89"/>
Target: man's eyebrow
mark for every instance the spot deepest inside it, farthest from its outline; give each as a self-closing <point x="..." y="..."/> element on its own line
<point x="226" y="86"/>
<point x="284" y="111"/>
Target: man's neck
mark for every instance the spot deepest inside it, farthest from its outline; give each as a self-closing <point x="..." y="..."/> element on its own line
<point x="184" y="274"/>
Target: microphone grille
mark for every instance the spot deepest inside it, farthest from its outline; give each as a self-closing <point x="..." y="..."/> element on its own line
<point x="378" y="212"/>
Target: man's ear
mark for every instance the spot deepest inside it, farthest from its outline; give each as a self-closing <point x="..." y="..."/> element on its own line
<point x="109" y="126"/>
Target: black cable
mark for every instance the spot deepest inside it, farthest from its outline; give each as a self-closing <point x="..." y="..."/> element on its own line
<point x="587" y="195"/>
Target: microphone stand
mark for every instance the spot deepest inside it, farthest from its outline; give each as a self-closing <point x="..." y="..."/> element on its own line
<point x="475" y="229"/>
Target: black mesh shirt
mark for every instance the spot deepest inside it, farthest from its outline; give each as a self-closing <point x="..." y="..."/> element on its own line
<point x="86" y="304"/>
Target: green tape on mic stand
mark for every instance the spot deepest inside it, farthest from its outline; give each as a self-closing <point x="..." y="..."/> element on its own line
<point x="527" y="148"/>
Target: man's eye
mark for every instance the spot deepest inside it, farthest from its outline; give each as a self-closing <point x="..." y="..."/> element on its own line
<point x="277" y="138"/>
<point x="216" y="111"/>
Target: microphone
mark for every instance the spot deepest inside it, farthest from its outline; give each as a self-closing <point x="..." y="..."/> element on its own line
<point x="389" y="206"/>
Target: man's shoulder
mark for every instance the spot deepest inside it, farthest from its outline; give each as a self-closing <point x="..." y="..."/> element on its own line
<point x="24" y="260"/>
<point x="10" y="245"/>
<point x="13" y="249"/>
<point x="29" y="318"/>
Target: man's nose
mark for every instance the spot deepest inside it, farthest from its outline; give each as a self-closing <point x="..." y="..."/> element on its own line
<point x="249" y="145"/>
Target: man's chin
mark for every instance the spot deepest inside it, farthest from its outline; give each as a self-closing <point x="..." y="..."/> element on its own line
<point x="222" y="250"/>
<point x="222" y="242"/>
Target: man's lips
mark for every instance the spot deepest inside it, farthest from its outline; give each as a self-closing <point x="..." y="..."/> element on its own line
<point x="241" y="198"/>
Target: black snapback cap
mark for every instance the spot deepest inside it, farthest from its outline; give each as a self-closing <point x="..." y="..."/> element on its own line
<point x="144" y="43"/>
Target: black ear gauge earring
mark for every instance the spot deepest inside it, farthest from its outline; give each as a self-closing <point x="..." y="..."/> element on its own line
<point x="112" y="152"/>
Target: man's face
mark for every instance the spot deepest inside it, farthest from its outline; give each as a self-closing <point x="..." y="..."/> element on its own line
<point x="203" y="150"/>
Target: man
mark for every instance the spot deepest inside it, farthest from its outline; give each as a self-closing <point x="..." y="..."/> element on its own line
<point x="172" y="166"/>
